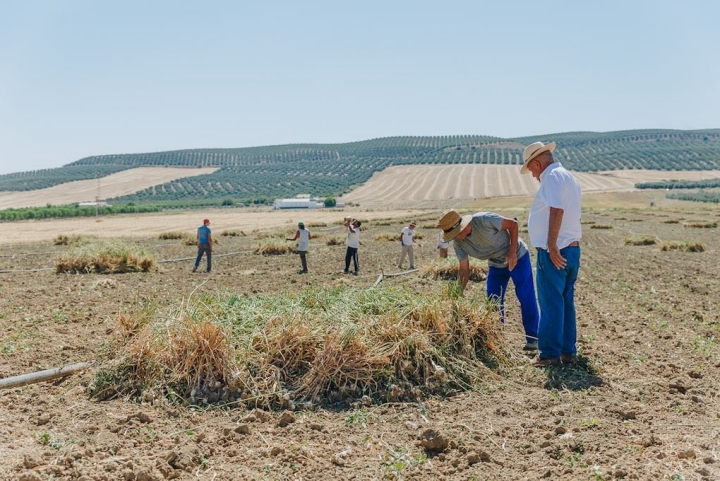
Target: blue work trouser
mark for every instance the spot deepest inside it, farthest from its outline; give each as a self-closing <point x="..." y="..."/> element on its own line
<point x="556" y="295"/>
<point x="521" y="275"/>
<point x="204" y="248"/>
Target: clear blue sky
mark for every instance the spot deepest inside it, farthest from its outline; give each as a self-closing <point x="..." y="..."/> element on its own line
<point x="88" y="77"/>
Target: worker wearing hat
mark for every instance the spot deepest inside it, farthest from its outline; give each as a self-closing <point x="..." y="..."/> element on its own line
<point x="204" y="244"/>
<point x="492" y="237"/>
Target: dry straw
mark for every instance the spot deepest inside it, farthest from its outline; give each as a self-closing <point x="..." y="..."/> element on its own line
<point x="233" y="233"/>
<point x="319" y="345"/>
<point x="448" y="269"/>
<point x="700" y="224"/>
<point x="105" y="257"/>
<point x="640" y="240"/>
<point x="274" y="248"/>
<point x="74" y="240"/>
<point x="174" y="235"/>
<point x="685" y="246"/>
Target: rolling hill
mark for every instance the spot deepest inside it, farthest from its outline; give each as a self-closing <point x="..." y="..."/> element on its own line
<point x="258" y="174"/>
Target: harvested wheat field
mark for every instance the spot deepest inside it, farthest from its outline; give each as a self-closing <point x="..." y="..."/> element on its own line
<point x="453" y="396"/>
<point x="427" y="184"/>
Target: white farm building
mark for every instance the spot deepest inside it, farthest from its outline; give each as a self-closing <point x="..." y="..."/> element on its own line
<point x="298" y="204"/>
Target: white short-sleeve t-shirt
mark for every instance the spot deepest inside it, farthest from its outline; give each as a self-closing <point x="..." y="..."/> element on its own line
<point x="558" y="189"/>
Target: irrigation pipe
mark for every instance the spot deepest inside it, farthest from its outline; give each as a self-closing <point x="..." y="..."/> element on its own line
<point x="10" y="271"/>
<point x="383" y="275"/>
<point x="40" y="376"/>
<point x="193" y="257"/>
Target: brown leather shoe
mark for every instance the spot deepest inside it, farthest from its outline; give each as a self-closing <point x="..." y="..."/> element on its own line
<point x="550" y="361"/>
<point x="568" y="359"/>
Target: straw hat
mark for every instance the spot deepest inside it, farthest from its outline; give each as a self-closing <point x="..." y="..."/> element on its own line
<point x="532" y="151"/>
<point x="452" y="224"/>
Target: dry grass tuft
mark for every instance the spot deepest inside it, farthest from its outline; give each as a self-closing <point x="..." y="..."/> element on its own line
<point x="104" y="257"/>
<point x="387" y="237"/>
<point x="336" y="241"/>
<point x="174" y="235"/>
<point x="640" y="240"/>
<point x="270" y="234"/>
<point x="601" y="226"/>
<point x="184" y="237"/>
<point x="233" y="233"/>
<point x="672" y="221"/>
<point x="318" y="345"/>
<point x="447" y="269"/>
<point x="75" y="240"/>
<point x="685" y="246"/>
<point x="700" y="224"/>
<point x="275" y="249"/>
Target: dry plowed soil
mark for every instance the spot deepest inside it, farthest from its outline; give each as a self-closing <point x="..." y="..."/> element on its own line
<point x="643" y="403"/>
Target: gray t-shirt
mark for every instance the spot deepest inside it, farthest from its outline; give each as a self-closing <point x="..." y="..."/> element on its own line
<point x="487" y="241"/>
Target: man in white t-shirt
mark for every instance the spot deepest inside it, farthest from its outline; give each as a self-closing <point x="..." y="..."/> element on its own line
<point x="407" y="239"/>
<point x="554" y="229"/>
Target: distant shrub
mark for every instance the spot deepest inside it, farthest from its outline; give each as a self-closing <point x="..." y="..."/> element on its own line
<point x="601" y="226"/>
<point x="672" y="221"/>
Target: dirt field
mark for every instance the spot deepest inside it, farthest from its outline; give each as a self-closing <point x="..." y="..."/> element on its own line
<point x="644" y="403"/>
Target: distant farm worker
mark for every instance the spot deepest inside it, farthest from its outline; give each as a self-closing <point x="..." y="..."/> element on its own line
<point x="302" y="235"/>
<point x="442" y="245"/>
<point x="353" y="244"/>
<point x="407" y="239"/>
<point x="554" y="229"/>
<point x="492" y="237"/>
<point x="204" y="244"/>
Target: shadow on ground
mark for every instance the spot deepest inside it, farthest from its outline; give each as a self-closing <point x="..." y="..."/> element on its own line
<point x="574" y="377"/>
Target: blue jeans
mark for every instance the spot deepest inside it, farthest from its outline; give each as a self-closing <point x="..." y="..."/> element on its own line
<point x="556" y="294"/>
<point x="204" y="248"/>
<point x="521" y="275"/>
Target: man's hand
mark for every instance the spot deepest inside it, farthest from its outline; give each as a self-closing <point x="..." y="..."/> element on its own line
<point x="511" y="259"/>
<point x="557" y="259"/>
